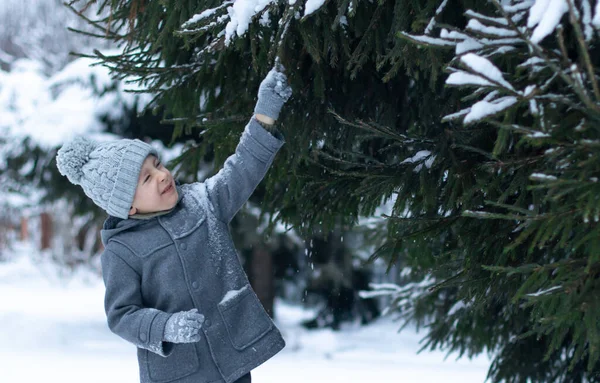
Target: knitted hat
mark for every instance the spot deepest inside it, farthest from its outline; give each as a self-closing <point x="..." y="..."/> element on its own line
<point x="107" y="172"/>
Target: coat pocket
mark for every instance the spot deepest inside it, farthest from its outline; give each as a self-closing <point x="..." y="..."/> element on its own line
<point x="244" y="317"/>
<point x="183" y="361"/>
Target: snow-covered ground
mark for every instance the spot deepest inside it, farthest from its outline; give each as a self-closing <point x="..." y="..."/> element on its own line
<point x="53" y="329"/>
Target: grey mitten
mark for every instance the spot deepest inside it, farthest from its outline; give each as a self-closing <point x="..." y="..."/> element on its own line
<point x="273" y="92"/>
<point x="183" y="327"/>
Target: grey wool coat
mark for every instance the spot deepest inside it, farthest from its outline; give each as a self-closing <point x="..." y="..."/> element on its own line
<point x="184" y="260"/>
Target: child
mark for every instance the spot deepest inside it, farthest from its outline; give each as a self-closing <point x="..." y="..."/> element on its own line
<point x="174" y="285"/>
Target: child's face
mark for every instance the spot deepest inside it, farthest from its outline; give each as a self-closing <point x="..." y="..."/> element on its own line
<point x="155" y="190"/>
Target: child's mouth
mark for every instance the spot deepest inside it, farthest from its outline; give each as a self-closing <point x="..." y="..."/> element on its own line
<point x="168" y="189"/>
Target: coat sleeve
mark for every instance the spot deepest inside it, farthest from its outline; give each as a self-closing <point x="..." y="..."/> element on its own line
<point x="144" y="327"/>
<point x="231" y="187"/>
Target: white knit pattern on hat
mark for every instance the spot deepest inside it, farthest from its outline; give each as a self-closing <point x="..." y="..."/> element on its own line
<point x="107" y="172"/>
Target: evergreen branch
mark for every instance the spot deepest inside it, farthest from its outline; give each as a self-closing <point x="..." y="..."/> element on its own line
<point x="365" y="157"/>
<point x="339" y="160"/>
<point x="350" y="174"/>
<point x="421" y="219"/>
<point x="276" y="49"/>
<point x="538" y="217"/>
<point x="377" y="254"/>
<point x="446" y="282"/>
<point x="198" y="122"/>
<point x="529" y="268"/>
<point x="538" y="50"/>
<point x="126" y="69"/>
<point x="512" y="127"/>
<point x="85" y="7"/>
<point x="489" y="215"/>
<point x="380" y="130"/>
<point x="498" y="84"/>
<point x="136" y="7"/>
<point x="563" y="100"/>
<point x="357" y="56"/>
<point x="95" y="24"/>
<point x="561" y="44"/>
<point x="429" y="228"/>
<point x="427" y="41"/>
<point x="523" y="269"/>
<point x="583" y="49"/>
<point x="488" y="32"/>
<point x="212" y="12"/>
<point x="341" y="10"/>
<point x="85" y="33"/>
<point x="509" y="207"/>
<point x="527" y="161"/>
<point x="497" y="22"/>
<point x="198" y="32"/>
<point x="475" y="150"/>
<point x="433" y="20"/>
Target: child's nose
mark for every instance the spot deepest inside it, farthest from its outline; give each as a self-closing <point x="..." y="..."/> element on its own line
<point x="163" y="175"/>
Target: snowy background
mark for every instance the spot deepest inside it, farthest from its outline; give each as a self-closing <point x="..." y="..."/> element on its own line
<point x="54" y="330"/>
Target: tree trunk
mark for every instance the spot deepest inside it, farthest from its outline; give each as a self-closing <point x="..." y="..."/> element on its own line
<point x="46" y="241"/>
<point x="261" y="271"/>
<point x="24" y="230"/>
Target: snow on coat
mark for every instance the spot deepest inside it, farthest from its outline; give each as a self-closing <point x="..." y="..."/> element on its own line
<point x="186" y="259"/>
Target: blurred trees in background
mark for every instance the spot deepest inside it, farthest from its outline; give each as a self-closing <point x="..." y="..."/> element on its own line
<point x="47" y="96"/>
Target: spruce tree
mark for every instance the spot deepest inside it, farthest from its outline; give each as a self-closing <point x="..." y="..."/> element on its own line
<point x="526" y="214"/>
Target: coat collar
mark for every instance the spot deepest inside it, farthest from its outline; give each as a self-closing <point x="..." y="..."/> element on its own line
<point x="187" y="216"/>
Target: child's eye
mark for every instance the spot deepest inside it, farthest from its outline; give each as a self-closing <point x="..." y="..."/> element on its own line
<point x="147" y="178"/>
<point x="158" y="164"/>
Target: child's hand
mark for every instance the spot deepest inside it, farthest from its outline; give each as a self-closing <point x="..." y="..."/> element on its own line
<point x="273" y="92"/>
<point x="184" y="327"/>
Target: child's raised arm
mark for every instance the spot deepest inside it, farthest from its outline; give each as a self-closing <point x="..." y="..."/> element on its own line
<point x="231" y="187"/>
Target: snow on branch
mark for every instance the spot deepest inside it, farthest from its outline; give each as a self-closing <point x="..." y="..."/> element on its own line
<point x="428" y="40"/>
<point x="542" y="177"/>
<point x="515" y="31"/>
<point x="380" y="289"/>
<point x="433" y="21"/>
<point x="232" y="19"/>
<point x="476" y="26"/>
<point x="497" y="21"/>
<point x="403" y="297"/>
<point x="204" y="15"/>
<point x="550" y="290"/>
<point x="241" y="14"/>
<point x="486" y="69"/>
<point x="312" y="6"/>
<point x="517" y="6"/>
<point x="484" y="109"/>
<point x="463" y="78"/>
<point x="545" y="15"/>
<point x="422" y="157"/>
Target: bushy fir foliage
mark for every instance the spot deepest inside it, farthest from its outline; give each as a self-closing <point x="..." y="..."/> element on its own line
<point x="494" y="221"/>
<point x="526" y="216"/>
<point x="336" y="58"/>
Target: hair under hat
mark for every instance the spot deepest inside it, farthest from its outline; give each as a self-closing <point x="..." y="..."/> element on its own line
<point x="107" y="172"/>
